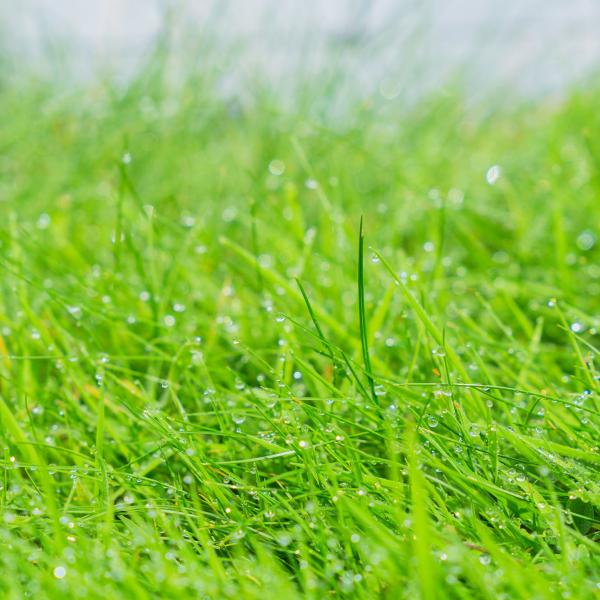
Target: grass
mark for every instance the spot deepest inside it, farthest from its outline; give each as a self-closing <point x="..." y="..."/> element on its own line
<point x="207" y="391"/>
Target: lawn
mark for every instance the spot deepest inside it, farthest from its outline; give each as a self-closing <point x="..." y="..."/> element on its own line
<point x="250" y="350"/>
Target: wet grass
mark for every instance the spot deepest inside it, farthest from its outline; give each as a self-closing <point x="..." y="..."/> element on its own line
<point x="216" y="383"/>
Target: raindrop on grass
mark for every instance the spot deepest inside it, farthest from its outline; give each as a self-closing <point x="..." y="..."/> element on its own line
<point x="238" y="535"/>
<point x="276" y="167"/>
<point x="43" y="221"/>
<point x="188" y="221"/>
<point x="59" y="572"/>
<point x="493" y="174"/>
<point x="284" y="539"/>
<point x="432" y="421"/>
<point x="586" y="240"/>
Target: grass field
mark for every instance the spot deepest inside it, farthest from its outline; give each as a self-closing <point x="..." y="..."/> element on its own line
<point x="215" y="384"/>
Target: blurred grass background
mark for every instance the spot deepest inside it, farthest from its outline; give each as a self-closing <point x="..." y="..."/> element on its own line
<point x="181" y="416"/>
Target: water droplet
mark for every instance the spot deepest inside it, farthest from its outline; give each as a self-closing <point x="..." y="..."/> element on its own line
<point x="276" y="167"/>
<point x="238" y="535"/>
<point x="43" y="221"/>
<point x="432" y="421"/>
<point x="59" y="572"/>
<point x="493" y="174"/>
<point x="229" y="214"/>
<point x="127" y="158"/>
<point x="485" y="559"/>
<point x="586" y="240"/>
<point x="284" y="539"/>
<point x="576" y="327"/>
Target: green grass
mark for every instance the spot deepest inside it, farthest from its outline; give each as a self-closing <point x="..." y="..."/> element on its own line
<point x="215" y="382"/>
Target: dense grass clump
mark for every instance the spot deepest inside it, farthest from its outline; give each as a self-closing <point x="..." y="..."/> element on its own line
<point x="213" y="385"/>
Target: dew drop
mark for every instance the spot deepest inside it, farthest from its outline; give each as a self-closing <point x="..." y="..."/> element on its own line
<point x="432" y="421"/>
<point x="493" y="174"/>
<point x="60" y="572"/>
<point x="485" y="559"/>
<point x="276" y="167"/>
<point x="586" y="240"/>
<point x="576" y="327"/>
<point x="43" y="221"/>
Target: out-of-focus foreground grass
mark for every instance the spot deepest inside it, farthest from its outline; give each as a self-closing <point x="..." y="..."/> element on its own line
<point x="203" y="395"/>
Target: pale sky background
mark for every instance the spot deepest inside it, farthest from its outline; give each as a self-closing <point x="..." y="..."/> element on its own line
<point x="534" y="46"/>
